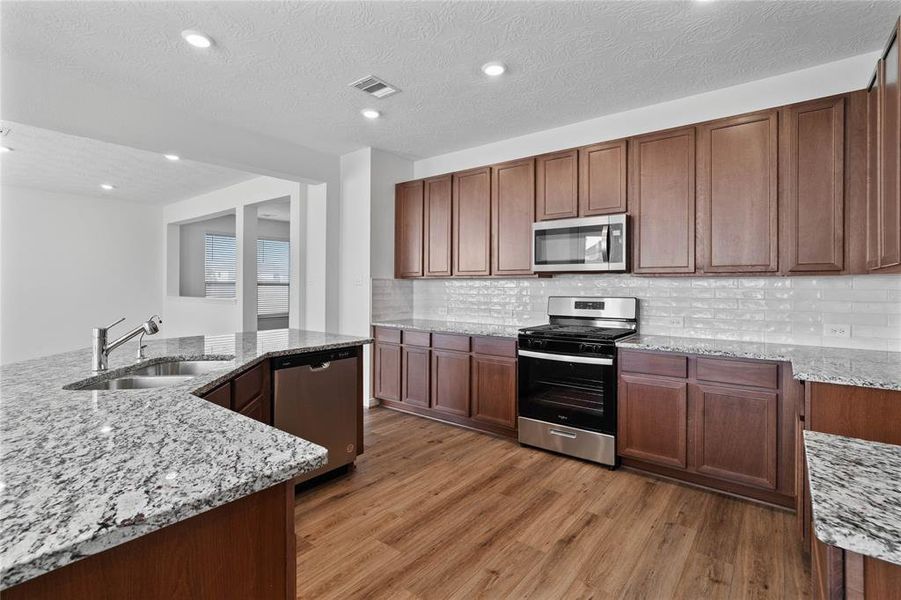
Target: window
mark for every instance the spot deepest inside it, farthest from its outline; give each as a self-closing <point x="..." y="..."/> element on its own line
<point x="219" y="265"/>
<point x="273" y="272"/>
<point x="272" y="277"/>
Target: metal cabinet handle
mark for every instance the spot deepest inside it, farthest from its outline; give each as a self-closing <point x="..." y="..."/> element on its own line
<point x="565" y="434"/>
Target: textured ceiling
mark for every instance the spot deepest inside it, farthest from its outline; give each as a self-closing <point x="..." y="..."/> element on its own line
<point x="56" y="162"/>
<point x="282" y="69"/>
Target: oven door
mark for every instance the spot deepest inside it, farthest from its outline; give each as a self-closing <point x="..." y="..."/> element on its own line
<point x="578" y="391"/>
<point x="587" y="244"/>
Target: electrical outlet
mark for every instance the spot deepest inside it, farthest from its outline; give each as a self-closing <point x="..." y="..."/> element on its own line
<point x="674" y="322"/>
<point x="833" y="330"/>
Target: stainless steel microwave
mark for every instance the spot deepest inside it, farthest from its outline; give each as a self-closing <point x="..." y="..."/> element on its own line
<point x="586" y="244"/>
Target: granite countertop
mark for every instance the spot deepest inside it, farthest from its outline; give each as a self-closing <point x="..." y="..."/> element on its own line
<point x="846" y="366"/>
<point x="855" y="489"/>
<point x="83" y="471"/>
<point x="462" y="327"/>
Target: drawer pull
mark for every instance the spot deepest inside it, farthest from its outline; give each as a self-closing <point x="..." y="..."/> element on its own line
<point x="565" y="434"/>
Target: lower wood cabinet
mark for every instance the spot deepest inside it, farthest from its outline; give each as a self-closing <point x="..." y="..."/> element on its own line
<point x="416" y="367"/>
<point x="727" y="424"/>
<point x="494" y="390"/>
<point x="249" y="393"/>
<point x="838" y="573"/>
<point x="653" y="420"/>
<point x="451" y="377"/>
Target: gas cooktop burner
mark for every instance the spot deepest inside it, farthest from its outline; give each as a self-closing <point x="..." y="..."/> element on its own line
<point x="576" y="332"/>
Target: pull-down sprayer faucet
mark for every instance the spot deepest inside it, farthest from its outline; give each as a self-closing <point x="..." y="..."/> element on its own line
<point x="101" y="350"/>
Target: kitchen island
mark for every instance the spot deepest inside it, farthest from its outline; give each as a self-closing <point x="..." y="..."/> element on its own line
<point x="105" y="493"/>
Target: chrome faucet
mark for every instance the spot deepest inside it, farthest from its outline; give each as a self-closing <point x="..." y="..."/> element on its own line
<point x="101" y="350"/>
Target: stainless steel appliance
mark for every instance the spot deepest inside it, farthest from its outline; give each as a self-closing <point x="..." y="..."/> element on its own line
<point x="315" y="397"/>
<point x="567" y="376"/>
<point x="586" y="244"/>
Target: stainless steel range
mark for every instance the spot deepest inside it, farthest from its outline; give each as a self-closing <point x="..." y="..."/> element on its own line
<point x="567" y="376"/>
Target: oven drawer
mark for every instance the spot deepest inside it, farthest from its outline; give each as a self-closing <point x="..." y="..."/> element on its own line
<point x="588" y="445"/>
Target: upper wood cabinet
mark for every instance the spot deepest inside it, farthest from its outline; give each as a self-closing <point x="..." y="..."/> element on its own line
<point x="472" y="222"/>
<point x="438" y="226"/>
<point x="662" y="184"/>
<point x="812" y="145"/>
<point x="873" y="177"/>
<point x="602" y="179"/>
<point x="512" y="215"/>
<point x="888" y="227"/>
<point x="557" y="185"/>
<point x="408" y="229"/>
<point x="738" y="194"/>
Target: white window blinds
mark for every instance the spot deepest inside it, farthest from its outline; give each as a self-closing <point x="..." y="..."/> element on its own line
<point x="219" y="265"/>
<point x="273" y="272"/>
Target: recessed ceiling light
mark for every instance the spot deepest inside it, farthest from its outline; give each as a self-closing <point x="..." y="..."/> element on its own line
<point x="107" y="186"/>
<point x="172" y="157"/>
<point x="370" y="113"/>
<point x="196" y="38"/>
<point x="493" y="69"/>
<point x="5" y="149"/>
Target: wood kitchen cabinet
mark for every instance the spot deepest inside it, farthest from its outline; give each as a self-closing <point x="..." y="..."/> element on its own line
<point x="512" y="215"/>
<point x="884" y="144"/>
<point x="472" y="222"/>
<point x="737" y="191"/>
<point x="653" y="420"/>
<point x="602" y="179"/>
<point x="249" y="393"/>
<point x="662" y="189"/>
<point x="723" y="423"/>
<point x="494" y="390"/>
<point x="812" y="145"/>
<point x="438" y="226"/>
<point x="408" y="229"/>
<point x="557" y="185"/>
<point x="470" y="381"/>
<point x="386" y="370"/>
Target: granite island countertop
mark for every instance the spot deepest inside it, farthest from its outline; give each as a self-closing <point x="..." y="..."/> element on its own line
<point x="855" y="489"/>
<point x="83" y="471"/>
<point x="845" y="366"/>
<point x="461" y="327"/>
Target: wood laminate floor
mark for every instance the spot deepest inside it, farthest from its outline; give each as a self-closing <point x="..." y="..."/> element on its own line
<point x="436" y="511"/>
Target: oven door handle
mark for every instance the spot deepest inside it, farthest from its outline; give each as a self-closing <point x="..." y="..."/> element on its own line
<point x="585" y="360"/>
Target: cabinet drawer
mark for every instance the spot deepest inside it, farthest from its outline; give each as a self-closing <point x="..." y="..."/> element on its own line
<point x="668" y="365"/>
<point x="387" y="334"/>
<point x="735" y="372"/>
<point x="417" y="338"/>
<point x="248" y="387"/>
<point x="493" y="346"/>
<point x="445" y="341"/>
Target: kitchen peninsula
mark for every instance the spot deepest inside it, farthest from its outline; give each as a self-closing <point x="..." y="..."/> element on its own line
<point x="108" y="492"/>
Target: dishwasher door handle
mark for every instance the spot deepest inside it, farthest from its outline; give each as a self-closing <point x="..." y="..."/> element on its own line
<point x="320" y="366"/>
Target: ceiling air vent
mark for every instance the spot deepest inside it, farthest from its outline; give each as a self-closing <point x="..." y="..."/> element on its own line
<point x="374" y="86"/>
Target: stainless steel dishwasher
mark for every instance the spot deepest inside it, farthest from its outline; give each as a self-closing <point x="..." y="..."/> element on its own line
<point x="315" y="397"/>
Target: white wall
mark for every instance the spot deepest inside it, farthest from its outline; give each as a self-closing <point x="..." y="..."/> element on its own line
<point x="823" y="80"/>
<point x="387" y="170"/>
<point x="70" y="263"/>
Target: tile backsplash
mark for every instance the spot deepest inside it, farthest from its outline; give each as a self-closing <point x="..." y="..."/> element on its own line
<point x="861" y="311"/>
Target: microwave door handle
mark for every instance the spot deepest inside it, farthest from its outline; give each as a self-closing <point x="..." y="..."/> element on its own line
<point x="605" y="235"/>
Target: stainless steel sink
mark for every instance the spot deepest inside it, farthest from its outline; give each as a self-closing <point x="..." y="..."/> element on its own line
<point x="136" y="382"/>
<point x="181" y="367"/>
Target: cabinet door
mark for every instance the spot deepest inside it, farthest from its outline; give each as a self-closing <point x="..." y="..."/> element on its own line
<point x="450" y="382"/>
<point x="437" y="241"/>
<point x="735" y="434"/>
<point x="874" y="188"/>
<point x="602" y="179"/>
<point x="221" y="396"/>
<point x="408" y="224"/>
<point x="387" y="371"/>
<point x="812" y="150"/>
<point x="662" y="200"/>
<point x="472" y="222"/>
<point x="253" y="388"/>
<point x="653" y="420"/>
<point x="557" y="185"/>
<point x="256" y="410"/>
<point x="415" y="367"/>
<point x="512" y="215"/>
<point x="737" y="194"/>
<point x="494" y="390"/>
<point x="890" y="167"/>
